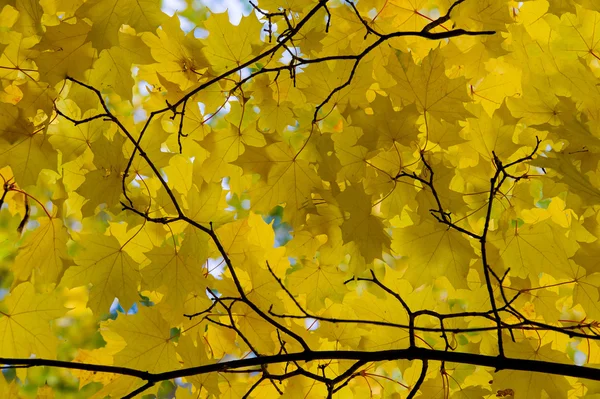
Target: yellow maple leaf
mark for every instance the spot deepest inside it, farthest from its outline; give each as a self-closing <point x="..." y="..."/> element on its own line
<point x="73" y="140"/>
<point x="65" y="52"/>
<point x="43" y="252"/>
<point x="105" y="183"/>
<point x="316" y="283"/>
<point x="532" y="248"/>
<point x="287" y="174"/>
<point x="427" y="85"/>
<point x="195" y="355"/>
<point x="27" y="156"/>
<point x="109" y="16"/>
<point x="227" y="46"/>
<point x="432" y="250"/>
<point x="531" y="385"/>
<point x="362" y="227"/>
<point x="25" y="323"/>
<point x="150" y="341"/>
<point x="179" y="57"/>
<point x="386" y="126"/>
<point x="110" y="271"/>
<point x="176" y="274"/>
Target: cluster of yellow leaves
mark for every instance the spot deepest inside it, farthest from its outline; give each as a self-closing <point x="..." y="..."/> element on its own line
<point x="342" y="176"/>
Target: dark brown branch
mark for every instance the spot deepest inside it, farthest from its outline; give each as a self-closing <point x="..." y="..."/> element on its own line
<point x="253" y="387"/>
<point x="81" y="121"/>
<point x="138" y="391"/>
<point x="487" y="269"/>
<point x="442" y="19"/>
<point x="240" y="290"/>
<point x="419" y="382"/>
<point x="495" y="362"/>
<point x="180" y="133"/>
<point x="363" y="21"/>
<point x="136" y="144"/>
<point x="439" y="214"/>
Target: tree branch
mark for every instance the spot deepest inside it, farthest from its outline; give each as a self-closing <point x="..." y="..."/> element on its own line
<point x="496" y="362"/>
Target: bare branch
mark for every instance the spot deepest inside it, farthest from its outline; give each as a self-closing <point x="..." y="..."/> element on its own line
<point x="419" y="382"/>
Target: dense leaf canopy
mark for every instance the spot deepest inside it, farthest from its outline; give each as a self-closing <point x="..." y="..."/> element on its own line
<point x="320" y="198"/>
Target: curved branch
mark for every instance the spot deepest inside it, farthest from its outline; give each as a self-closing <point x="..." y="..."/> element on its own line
<point x="419" y="382"/>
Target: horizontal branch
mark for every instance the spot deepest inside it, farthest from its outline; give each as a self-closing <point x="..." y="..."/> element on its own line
<point x="497" y="363"/>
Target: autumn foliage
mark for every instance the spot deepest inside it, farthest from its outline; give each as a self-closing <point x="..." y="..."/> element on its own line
<point x="343" y="199"/>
